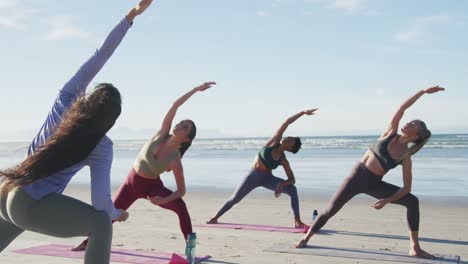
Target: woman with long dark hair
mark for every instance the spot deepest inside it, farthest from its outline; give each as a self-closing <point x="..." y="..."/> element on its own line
<point x="162" y="153"/>
<point x="73" y="136"/>
<point x="391" y="149"/>
<point x="271" y="156"/>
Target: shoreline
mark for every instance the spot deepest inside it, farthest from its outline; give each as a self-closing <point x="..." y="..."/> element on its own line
<point x="304" y="193"/>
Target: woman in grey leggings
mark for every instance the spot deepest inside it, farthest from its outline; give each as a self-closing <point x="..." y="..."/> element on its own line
<point x="73" y="136"/>
<point x="388" y="152"/>
<point x="269" y="158"/>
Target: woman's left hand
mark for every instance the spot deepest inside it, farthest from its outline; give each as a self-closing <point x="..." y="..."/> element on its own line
<point x="278" y="190"/>
<point x="156" y="200"/>
<point x="380" y="204"/>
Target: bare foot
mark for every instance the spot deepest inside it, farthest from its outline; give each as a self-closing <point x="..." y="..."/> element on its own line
<point x="81" y="247"/>
<point x="213" y="220"/>
<point x="299" y="224"/>
<point x="418" y="252"/>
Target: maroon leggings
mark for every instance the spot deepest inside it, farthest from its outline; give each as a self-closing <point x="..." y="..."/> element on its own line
<point x="136" y="187"/>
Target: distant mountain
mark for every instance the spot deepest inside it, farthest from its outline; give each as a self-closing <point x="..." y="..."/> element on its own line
<point x="145" y="133"/>
<point x="122" y="133"/>
<point x="115" y="133"/>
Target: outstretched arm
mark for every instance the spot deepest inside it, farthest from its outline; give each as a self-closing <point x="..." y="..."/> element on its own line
<point x="395" y="121"/>
<point x="78" y="83"/>
<point x="76" y="86"/>
<point x="169" y="117"/>
<point x="279" y="133"/>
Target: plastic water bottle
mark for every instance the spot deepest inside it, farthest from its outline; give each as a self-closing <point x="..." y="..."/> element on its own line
<point x="190" y="248"/>
<point x="314" y="215"/>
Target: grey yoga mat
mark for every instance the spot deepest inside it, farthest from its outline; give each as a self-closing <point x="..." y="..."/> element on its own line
<point x="381" y="255"/>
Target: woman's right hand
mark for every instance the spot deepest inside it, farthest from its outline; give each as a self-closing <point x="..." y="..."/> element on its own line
<point x="205" y="86"/>
<point x="310" y="111"/>
<point x="433" y="89"/>
<point x="123" y="216"/>
<point x="138" y="10"/>
<point x="142" y="6"/>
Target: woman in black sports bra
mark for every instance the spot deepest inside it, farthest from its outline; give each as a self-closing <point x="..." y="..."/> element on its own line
<point x="388" y="152"/>
<point x="269" y="158"/>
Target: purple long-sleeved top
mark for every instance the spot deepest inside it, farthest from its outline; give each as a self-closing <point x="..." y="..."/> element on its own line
<point x="100" y="159"/>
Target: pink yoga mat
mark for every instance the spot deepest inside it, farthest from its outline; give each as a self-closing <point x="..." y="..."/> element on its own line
<point x="117" y="255"/>
<point x="257" y="227"/>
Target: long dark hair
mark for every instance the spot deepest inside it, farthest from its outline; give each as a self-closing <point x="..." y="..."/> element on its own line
<point x="424" y="135"/>
<point x="82" y="127"/>
<point x="186" y="145"/>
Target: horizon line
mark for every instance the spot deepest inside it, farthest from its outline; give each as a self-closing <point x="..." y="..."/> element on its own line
<point x="247" y="137"/>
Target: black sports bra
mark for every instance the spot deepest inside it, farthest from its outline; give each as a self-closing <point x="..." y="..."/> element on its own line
<point x="380" y="150"/>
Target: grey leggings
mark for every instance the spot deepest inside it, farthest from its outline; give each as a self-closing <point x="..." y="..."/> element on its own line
<point x="56" y="215"/>
<point x="256" y="179"/>
<point x="362" y="180"/>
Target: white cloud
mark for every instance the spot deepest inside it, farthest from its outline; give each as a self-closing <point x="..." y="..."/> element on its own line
<point x="9" y="23"/>
<point x="349" y="5"/>
<point x="7" y="3"/>
<point x="15" y="19"/>
<point x="62" y="28"/>
<point x="263" y="13"/>
<point x="419" y="28"/>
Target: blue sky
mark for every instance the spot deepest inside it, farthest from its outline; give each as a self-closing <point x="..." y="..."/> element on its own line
<point x="356" y="60"/>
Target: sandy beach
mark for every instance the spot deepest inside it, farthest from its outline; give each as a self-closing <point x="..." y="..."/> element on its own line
<point x="443" y="230"/>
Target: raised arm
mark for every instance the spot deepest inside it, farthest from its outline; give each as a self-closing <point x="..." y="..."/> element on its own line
<point x="395" y="121"/>
<point x="78" y="83"/>
<point x="279" y="133"/>
<point x="169" y="117"/>
<point x="76" y="86"/>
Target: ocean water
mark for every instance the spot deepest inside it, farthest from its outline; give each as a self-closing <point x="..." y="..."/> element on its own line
<point x="439" y="169"/>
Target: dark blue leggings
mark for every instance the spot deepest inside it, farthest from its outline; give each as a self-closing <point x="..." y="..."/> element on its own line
<point x="256" y="179"/>
<point x="362" y="180"/>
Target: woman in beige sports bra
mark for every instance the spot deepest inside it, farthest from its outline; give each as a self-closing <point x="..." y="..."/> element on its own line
<point x="162" y="153"/>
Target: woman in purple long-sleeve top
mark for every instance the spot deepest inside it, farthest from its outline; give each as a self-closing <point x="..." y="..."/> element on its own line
<point x="73" y="136"/>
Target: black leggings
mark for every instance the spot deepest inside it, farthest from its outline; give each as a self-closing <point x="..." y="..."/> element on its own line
<point x="362" y="180"/>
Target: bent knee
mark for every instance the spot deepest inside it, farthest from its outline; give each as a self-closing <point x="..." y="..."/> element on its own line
<point x="413" y="201"/>
<point x="290" y="190"/>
